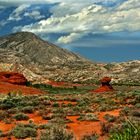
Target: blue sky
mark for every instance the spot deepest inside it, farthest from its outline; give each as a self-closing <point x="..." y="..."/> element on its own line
<point x="100" y="30"/>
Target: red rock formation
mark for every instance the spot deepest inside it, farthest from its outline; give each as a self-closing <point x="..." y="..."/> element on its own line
<point x="105" y="85"/>
<point x="13" y="78"/>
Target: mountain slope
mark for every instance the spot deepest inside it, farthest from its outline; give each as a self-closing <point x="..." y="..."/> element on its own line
<point x="32" y="49"/>
<point x="35" y="58"/>
<point x="41" y="61"/>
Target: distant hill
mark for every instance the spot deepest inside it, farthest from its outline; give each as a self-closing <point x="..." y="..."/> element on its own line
<point x="41" y="61"/>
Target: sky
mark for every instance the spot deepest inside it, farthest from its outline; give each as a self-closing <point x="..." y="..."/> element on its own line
<point x="100" y="30"/>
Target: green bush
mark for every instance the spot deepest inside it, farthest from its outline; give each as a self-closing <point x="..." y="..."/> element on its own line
<point x="55" y="105"/>
<point x="4" y="115"/>
<point x="21" y="116"/>
<point x="56" y="134"/>
<point x="88" y="117"/>
<point x="110" y="118"/>
<point x="22" y="131"/>
<point x="28" y="109"/>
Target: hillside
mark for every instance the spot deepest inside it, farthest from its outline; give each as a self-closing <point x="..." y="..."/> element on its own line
<point x="26" y="52"/>
<point x="41" y="61"/>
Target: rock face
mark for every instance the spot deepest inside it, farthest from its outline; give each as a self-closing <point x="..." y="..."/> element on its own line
<point x="105" y="85"/>
<point x="13" y="78"/>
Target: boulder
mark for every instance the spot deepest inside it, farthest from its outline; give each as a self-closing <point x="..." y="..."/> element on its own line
<point x="105" y="85"/>
<point x="13" y="78"/>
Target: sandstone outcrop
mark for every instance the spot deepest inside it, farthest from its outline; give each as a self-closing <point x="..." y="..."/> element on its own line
<point x="13" y="78"/>
<point x="105" y="87"/>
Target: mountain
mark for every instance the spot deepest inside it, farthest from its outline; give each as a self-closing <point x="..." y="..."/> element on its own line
<point x="40" y="61"/>
<point x="35" y="58"/>
<point x="31" y="49"/>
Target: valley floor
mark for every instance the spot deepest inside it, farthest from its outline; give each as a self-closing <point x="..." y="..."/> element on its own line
<point x="65" y="113"/>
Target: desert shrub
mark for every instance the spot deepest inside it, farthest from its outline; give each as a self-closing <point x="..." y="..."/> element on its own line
<point x="47" y="117"/>
<point x="13" y="101"/>
<point x="88" y="117"/>
<point x="13" y="111"/>
<point x="84" y="101"/>
<point x="28" y="109"/>
<point x="92" y="136"/>
<point x="22" y="131"/>
<point x="137" y="105"/>
<point x="105" y="128"/>
<point x="55" y="104"/>
<point x="56" y="134"/>
<point x="21" y="116"/>
<point x="42" y="86"/>
<point x="136" y="113"/>
<point x="7" y="104"/>
<point x="110" y="118"/>
<point x="130" y="132"/>
<point x="4" y="115"/>
<point x="125" y="110"/>
<point x="44" y="126"/>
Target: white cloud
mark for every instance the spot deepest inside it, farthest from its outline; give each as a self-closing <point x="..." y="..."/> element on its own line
<point x="130" y="4"/>
<point x="16" y="28"/>
<point x="69" y="38"/>
<point x="17" y="2"/>
<point x="34" y="14"/>
<point x="88" y="18"/>
<point x="2" y="23"/>
<point x="1" y="7"/>
<point x="21" y="11"/>
<point x="16" y="14"/>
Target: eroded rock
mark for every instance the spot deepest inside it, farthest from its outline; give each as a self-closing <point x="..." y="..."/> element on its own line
<point x="105" y="87"/>
<point x="13" y="78"/>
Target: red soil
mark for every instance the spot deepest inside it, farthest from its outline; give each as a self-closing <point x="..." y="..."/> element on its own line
<point x="5" y="127"/>
<point x="81" y="128"/>
<point x="7" y="87"/>
<point x="56" y="84"/>
<point x="115" y="113"/>
<point x="13" y="78"/>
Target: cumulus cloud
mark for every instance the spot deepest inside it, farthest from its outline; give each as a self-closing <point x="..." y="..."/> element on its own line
<point x="16" y="14"/>
<point x="130" y="4"/>
<point x="34" y="14"/>
<point x="17" y="2"/>
<point x="88" y="19"/>
<point x="69" y="38"/>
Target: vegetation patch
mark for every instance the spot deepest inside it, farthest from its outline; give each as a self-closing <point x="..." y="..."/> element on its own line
<point x="22" y="131"/>
<point x="88" y="117"/>
<point x="20" y="117"/>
